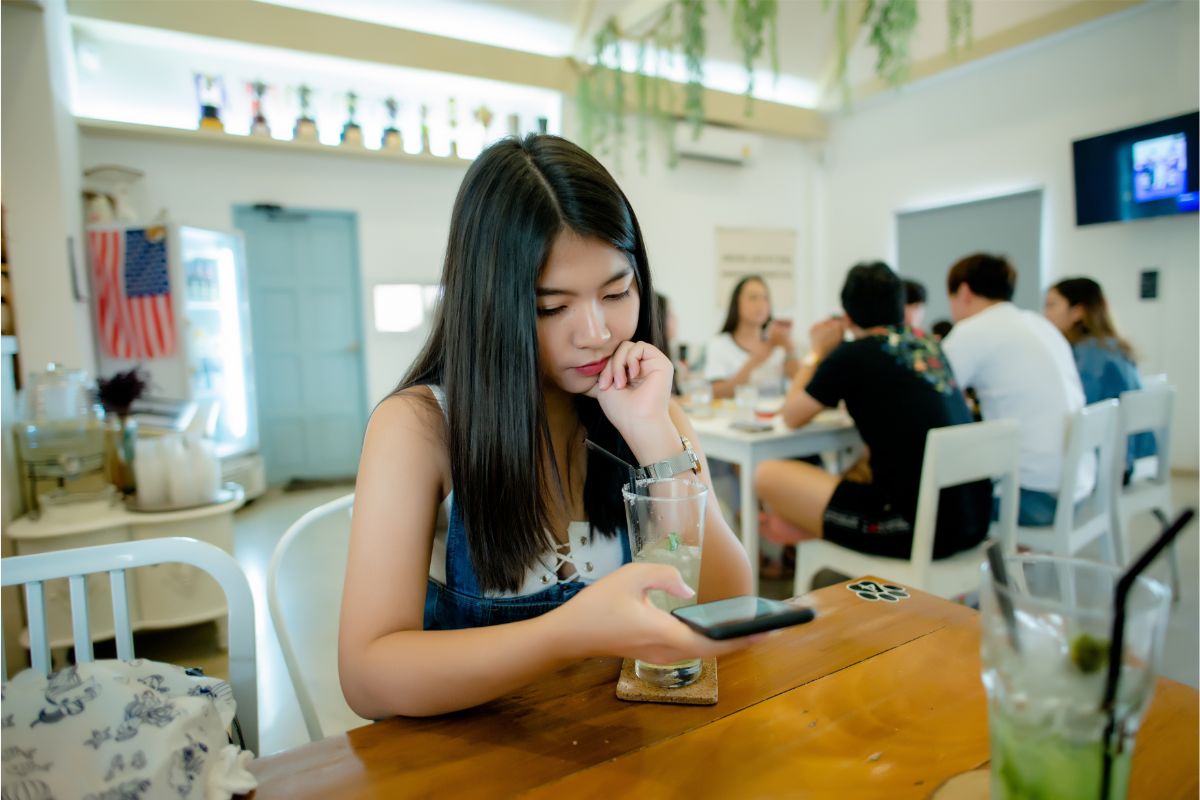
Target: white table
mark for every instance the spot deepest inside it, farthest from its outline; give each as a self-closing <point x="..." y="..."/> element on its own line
<point x="829" y="431"/>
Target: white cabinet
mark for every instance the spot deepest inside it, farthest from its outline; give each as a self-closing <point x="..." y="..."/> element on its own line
<point x="163" y="596"/>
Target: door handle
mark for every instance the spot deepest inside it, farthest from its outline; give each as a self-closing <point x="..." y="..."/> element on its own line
<point x="353" y="347"/>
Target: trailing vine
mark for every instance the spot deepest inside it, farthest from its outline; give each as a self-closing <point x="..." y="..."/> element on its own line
<point x="680" y="31"/>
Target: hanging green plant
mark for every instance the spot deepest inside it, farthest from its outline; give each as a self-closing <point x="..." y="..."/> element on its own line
<point x="693" y="46"/>
<point x="960" y="16"/>
<point x="755" y="25"/>
<point x="891" y="24"/>
<point x="679" y="30"/>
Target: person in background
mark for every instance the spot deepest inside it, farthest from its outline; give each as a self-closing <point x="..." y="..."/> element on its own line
<point x="940" y="329"/>
<point x="914" y="305"/>
<point x="666" y="328"/>
<point x="751" y="348"/>
<point x="1021" y="368"/>
<point x="543" y="340"/>
<point x="896" y="386"/>
<point x="1076" y="306"/>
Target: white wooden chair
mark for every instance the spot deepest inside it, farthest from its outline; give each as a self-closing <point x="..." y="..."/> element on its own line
<point x="1141" y="411"/>
<point x="1091" y="434"/>
<point x="309" y="568"/>
<point x="955" y="455"/>
<point x="115" y="559"/>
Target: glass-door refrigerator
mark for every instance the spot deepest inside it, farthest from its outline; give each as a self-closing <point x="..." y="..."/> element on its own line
<point x="173" y="298"/>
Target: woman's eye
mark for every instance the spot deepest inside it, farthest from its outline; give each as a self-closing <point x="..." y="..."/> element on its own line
<point x="550" y="312"/>
<point x="620" y="296"/>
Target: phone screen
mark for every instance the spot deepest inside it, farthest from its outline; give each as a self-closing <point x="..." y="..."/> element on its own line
<point x="741" y="616"/>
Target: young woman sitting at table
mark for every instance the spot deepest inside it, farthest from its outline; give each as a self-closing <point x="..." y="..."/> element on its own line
<point x="1077" y="307"/>
<point x="751" y="347"/>
<point x="544" y="337"/>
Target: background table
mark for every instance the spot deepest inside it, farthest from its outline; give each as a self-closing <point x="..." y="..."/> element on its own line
<point x="829" y="431"/>
<point x="873" y="699"/>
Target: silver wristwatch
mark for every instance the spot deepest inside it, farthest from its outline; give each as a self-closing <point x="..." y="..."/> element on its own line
<point x="685" y="461"/>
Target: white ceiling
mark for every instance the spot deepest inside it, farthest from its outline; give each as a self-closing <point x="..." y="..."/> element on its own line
<point x="805" y="30"/>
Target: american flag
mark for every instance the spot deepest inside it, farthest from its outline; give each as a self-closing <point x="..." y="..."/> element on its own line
<point x="133" y="292"/>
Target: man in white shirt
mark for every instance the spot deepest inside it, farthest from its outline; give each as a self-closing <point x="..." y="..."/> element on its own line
<point x="1021" y="368"/>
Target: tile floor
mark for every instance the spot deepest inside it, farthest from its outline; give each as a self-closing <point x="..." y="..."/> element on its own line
<point x="260" y="525"/>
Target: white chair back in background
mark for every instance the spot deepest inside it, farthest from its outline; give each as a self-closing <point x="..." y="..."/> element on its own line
<point x="1091" y="433"/>
<point x="1141" y="411"/>
<point x="115" y="559"/>
<point x="955" y="455"/>
<point x="314" y="549"/>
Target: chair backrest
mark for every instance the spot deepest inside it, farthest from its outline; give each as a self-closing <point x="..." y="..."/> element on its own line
<point x="1146" y="410"/>
<point x="1092" y="433"/>
<point x="116" y="559"/>
<point x="963" y="454"/>
<point x="315" y="547"/>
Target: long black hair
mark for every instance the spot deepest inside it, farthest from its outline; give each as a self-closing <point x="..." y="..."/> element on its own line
<point x="516" y="199"/>
<point x="733" y="316"/>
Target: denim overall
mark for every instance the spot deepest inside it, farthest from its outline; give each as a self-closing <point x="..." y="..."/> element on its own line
<point x="461" y="604"/>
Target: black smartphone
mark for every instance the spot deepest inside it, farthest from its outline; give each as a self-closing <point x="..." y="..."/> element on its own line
<point x="742" y="616"/>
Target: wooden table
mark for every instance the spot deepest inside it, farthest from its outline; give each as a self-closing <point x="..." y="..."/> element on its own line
<point x="873" y="699"/>
<point x="830" y="431"/>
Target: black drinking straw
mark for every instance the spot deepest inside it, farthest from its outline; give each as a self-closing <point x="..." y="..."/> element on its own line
<point x="617" y="460"/>
<point x="1000" y="581"/>
<point x="1121" y="598"/>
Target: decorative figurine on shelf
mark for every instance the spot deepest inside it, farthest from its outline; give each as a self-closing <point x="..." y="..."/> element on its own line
<point x="392" y="138"/>
<point x="210" y="95"/>
<point x="258" y="123"/>
<point x="514" y="125"/>
<point x="483" y="115"/>
<point x="453" y="114"/>
<point x="542" y="124"/>
<point x="351" y="133"/>
<point x="306" y="126"/>
<point x="425" y="129"/>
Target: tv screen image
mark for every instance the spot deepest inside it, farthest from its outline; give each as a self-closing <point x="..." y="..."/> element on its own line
<point x="1137" y="172"/>
<point x="1160" y="167"/>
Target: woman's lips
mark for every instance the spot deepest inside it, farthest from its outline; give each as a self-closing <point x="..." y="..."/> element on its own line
<point x="594" y="368"/>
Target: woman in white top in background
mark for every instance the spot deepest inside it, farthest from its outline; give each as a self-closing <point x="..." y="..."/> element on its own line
<point x="751" y="348"/>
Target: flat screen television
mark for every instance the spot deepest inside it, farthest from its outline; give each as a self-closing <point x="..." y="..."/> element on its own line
<point x="1146" y="171"/>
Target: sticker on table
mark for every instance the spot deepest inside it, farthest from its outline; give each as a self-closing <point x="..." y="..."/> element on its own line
<point x="870" y="590"/>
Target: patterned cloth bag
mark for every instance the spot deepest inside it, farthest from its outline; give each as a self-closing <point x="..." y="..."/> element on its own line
<point x="119" y="730"/>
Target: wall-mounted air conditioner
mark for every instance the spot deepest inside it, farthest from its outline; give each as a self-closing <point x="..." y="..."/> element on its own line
<point x="722" y="145"/>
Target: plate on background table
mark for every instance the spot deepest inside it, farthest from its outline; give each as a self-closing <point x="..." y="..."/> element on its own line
<point x="226" y="493"/>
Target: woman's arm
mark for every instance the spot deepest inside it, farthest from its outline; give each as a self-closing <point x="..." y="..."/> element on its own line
<point x="389" y="665"/>
<point x="724" y="567"/>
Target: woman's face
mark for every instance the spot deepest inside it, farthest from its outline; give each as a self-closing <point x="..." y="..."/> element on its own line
<point x="754" y="304"/>
<point x="1061" y="313"/>
<point x="587" y="304"/>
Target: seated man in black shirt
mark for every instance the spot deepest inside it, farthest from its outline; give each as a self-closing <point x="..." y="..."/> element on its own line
<point x="896" y="386"/>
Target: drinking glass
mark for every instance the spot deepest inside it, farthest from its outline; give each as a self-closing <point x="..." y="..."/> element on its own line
<point x="1046" y="689"/>
<point x="666" y="526"/>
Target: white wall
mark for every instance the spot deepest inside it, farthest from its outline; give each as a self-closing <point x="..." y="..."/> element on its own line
<point x="404" y="211"/>
<point x="1007" y="124"/>
<point x="40" y="159"/>
<point x="680" y="209"/>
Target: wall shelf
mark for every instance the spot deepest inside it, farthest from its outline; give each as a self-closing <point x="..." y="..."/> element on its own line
<point x="103" y="127"/>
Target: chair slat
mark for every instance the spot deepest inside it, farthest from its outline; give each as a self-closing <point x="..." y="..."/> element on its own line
<point x="121" y="623"/>
<point x="39" y="641"/>
<point x="81" y="625"/>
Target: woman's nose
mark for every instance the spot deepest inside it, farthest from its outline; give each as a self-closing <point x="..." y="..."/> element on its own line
<point x="592" y="330"/>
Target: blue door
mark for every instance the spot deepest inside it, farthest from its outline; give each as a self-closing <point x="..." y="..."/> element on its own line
<point x="307" y="326"/>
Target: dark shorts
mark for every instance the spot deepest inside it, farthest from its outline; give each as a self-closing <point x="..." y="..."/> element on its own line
<point x="860" y="518"/>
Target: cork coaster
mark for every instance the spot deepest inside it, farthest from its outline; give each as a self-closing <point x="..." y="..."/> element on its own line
<point x="703" y="692"/>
